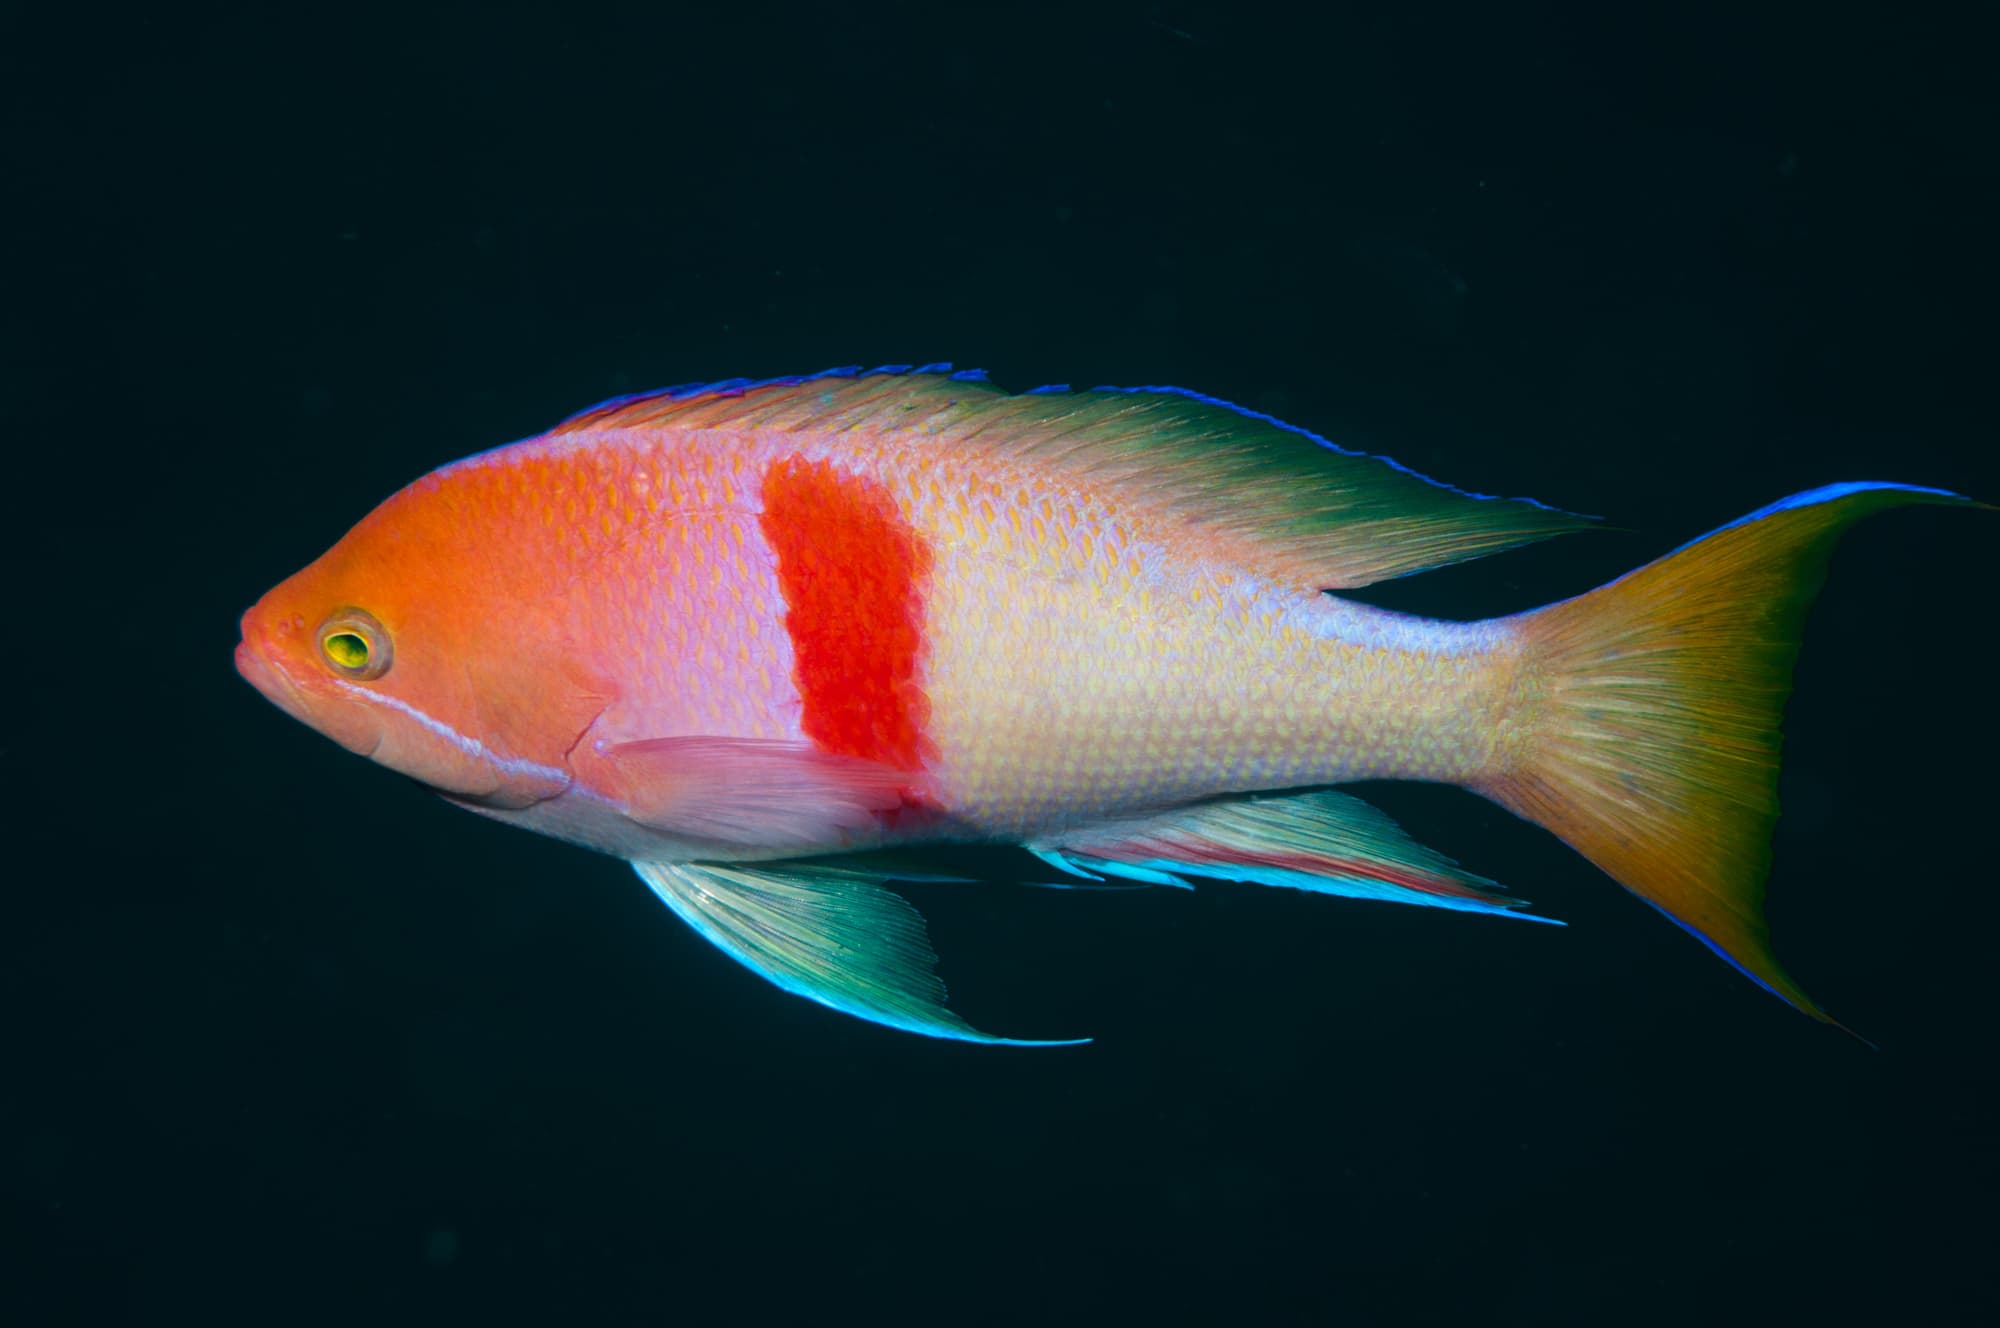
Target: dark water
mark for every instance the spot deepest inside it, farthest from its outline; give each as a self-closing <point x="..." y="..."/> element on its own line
<point x="289" y="1041"/>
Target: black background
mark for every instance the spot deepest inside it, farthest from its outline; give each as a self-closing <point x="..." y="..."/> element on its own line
<point x="288" y="1041"/>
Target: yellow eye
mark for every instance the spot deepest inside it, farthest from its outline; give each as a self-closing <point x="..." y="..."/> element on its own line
<point x="354" y="644"/>
<point x="346" y="650"/>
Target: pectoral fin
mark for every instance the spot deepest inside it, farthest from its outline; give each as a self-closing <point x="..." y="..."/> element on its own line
<point x="1325" y="842"/>
<point x="784" y="795"/>
<point x="826" y="933"/>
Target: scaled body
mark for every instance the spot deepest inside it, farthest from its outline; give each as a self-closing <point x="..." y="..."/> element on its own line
<point x="762" y="622"/>
<point x="1033" y="657"/>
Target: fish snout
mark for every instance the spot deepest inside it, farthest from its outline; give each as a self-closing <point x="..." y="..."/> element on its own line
<point x="268" y="658"/>
<point x="257" y="666"/>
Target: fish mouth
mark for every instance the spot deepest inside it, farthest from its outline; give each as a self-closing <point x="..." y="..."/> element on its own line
<point x="261" y="663"/>
<point x="257" y="669"/>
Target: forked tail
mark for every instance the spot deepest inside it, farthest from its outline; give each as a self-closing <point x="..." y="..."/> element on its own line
<point x="1648" y="709"/>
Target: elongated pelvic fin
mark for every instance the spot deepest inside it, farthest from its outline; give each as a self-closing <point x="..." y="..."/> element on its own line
<point x="826" y="933"/>
<point x="1328" y="843"/>
<point x="1647" y="719"/>
<point x="1273" y="497"/>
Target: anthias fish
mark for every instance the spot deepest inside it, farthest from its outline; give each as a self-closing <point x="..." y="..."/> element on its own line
<point x="760" y="638"/>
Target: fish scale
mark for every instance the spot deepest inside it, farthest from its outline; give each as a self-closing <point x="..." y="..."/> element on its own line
<point x="737" y="634"/>
<point x="1126" y="657"/>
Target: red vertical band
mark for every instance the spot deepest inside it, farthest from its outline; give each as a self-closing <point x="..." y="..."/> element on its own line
<point x="854" y="576"/>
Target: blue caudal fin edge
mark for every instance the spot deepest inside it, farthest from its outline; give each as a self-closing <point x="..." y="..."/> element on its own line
<point x="1697" y="932"/>
<point x="1826" y="493"/>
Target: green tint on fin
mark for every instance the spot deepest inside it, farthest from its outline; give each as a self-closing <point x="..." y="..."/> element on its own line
<point x="826" y="933"/>
<point x="1280" y="500"/>
<point x="1135" y="874"/>
<point x="1328" y="843"/>
<point x="1648" y="733"/>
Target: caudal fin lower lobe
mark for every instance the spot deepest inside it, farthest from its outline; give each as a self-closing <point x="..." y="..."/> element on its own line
<point x="1649" y="712"/>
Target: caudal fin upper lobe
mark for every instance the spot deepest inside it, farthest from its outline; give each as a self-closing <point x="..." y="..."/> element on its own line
<point x="1649" y="716"/>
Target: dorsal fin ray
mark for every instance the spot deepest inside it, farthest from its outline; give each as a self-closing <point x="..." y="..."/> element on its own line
<point x="1276" y="498"/>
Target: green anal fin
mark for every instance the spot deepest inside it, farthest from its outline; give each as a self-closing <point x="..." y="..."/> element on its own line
<point x="1327" y="843"/>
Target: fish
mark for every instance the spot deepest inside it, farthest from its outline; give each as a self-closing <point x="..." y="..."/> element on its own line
<point x="774" y="641"/>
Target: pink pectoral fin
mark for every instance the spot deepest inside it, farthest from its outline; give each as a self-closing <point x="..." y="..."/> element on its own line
<point x="750" y="792"/>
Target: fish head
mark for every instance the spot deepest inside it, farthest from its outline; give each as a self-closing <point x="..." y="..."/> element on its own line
<point x="427" y="642"/>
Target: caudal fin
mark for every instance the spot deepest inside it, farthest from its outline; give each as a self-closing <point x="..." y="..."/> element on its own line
<point x="1649" y="716"/>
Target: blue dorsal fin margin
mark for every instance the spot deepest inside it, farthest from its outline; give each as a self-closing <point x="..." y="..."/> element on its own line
<point x="1307" y="434"/>
<point x="736" y="387"/>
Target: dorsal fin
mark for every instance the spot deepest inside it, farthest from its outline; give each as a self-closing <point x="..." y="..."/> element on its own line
<point x="731" y="401"/>
<point x="1279" y="499"/>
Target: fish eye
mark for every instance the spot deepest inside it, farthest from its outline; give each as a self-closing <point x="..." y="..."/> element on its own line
<point x="354" y="645"/>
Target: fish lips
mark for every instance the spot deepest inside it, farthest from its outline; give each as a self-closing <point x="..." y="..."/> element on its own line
<point x="354" y="727"/>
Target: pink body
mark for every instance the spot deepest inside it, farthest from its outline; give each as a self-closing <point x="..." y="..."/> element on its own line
<point x="766" y="623"/>
<point x="1081" y="654"/>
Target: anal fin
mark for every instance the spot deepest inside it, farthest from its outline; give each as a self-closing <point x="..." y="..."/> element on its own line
<point x="1328" y="843"/>
<point x="830" y="934"/>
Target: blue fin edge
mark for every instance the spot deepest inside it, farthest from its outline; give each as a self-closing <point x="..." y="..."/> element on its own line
<point x="1825" y="493"/>
<point x="1158" y="871"/>
<point x="818" y="996"/>
<point x="736" y="387"/>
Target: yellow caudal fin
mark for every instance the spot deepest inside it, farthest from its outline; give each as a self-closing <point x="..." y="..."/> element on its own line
<point x="1649" y="739"/>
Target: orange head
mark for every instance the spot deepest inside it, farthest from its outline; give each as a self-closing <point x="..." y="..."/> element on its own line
<point x="433" y="639"/>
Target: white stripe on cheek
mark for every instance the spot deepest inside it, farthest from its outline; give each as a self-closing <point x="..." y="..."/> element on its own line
<point x="473" y="747"/>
